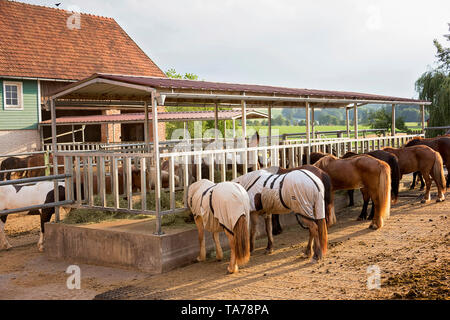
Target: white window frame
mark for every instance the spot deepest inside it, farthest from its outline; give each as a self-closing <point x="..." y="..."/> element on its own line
<point x="19" y="95"/>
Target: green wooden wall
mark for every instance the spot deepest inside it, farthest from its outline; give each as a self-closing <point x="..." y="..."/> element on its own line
<point x="21" y="119"/>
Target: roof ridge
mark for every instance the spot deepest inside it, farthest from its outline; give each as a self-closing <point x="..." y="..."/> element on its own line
<point x="57" y="9"/>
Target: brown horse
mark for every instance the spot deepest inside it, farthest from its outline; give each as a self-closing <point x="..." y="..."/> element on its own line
<point x="363" y="171"/>
<point x="10" y="164"/>
<point x="314" y="157"/>
<point x="440" y="144"/>
<point x="392" y="161"/>
<point x="38" y="160"/>
<point x="427" y="161"/>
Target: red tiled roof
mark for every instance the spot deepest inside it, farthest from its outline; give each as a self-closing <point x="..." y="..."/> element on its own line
<point x="162" y="116"/>
<point x="36" y="42"/>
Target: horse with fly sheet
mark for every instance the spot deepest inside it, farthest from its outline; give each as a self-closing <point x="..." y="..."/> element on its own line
<point x="220" y="207"/>
<point x="424" y="159"/>
<point x="299" y="191"/>
<point x="16" y="196"/>
<point x="363" y="172"/>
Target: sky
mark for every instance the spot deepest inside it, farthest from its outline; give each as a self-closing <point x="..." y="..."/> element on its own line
<point x="378" y="47"/>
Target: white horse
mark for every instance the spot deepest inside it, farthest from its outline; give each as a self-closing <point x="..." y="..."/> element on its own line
<point x="14" y="197"/>
<point x="222" y="207"/>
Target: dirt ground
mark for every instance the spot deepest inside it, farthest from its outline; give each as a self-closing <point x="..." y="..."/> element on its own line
<point x="411" y="252"/>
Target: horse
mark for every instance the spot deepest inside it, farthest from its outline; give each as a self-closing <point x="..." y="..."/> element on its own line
<point x="392" y="161"/>
<point x="13" y="197"/>
<point x="301" y="192"/>
<point x="373" y="176"/>
<point x="440" y="144"/>
<point x="427" y="161"/>
<point x="38" y="160"/>
<point x="228" y="210"/>
<point x="313" y="157"/>
<point x="12" y="163"/>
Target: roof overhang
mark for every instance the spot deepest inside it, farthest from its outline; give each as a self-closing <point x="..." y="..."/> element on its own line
<point x="117" y="90"/>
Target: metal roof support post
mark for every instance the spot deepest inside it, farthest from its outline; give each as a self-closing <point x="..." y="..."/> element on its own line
<point x="146" y="128"/>
<point x="244" y="133"/>
<point x="55" y="158"/>
<point x="157" y="165"/>
<point x="312" y="123"/>
<point x="269" y="118"/>
<point x="308" y="133"/>
<point x="393" y="120"/>
<point x="216" y="121"/>
<point x="422" y="116"/>
<point x="347" y="120"/>
<point x="355" y="125"/>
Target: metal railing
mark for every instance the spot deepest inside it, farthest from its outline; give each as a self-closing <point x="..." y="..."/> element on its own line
<point x="109" y="180"/>
<point x="41" y="206"/>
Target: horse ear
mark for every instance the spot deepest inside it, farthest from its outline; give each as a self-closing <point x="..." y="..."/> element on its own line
<point x="258" y="202"/>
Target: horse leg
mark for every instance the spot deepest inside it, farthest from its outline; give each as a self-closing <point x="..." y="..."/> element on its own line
<point x="413" y="183"/>
<point x="232" y="267"/>
<point x="254" y="222"/>
<point x="268" y="220"/>
<point x="422" y="184"/>
<point x="201" y="238"/>
<point x="219" y="253"/>
<point x="313" y="237"/>
<point x="441" y="196"/>
<point x="4" y="244"/>
<point x="372" y="211"/>
<point x="46" y="215"/>
<point x="276" y="226"/>
<point x="351" y="198"/>
<point x="426" y="197"/>
<point x="366" y="198"/>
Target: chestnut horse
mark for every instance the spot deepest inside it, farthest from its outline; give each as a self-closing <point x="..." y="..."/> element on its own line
<point x="427" y="161"/>
<point x="440" y="144"/>
<point x="363" y="171"/>
<point x="392" y="161"/>
<point x="38" y="160"/>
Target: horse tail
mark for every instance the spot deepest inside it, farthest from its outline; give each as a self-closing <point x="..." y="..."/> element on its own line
<point x="323" y="235"/>
<point x="438" y="171"/>
<point x="395" y="176"/>
<point x="241" y="241"/>
<point x="384" y="190"/>
<point x="329" y="200"/>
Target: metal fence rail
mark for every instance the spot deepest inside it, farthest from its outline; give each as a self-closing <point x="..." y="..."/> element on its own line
<point x="105" y="180"/>
<point x="36" y="207"/>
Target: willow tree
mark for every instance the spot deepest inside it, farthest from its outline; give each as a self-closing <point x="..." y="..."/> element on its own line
<point x="434" y="86"/>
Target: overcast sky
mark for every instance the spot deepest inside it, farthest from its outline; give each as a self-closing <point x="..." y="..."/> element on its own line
<point x="377" y="47"/>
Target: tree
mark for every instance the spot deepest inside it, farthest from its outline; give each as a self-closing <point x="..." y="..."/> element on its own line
<point x="382" y="119"/>
<point x="434" y="86"/>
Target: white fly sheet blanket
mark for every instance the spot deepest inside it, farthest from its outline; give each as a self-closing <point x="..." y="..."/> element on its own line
<point x="253" y="183"/>
<point x="220" y="205"/>
<point x="298" y="191"/>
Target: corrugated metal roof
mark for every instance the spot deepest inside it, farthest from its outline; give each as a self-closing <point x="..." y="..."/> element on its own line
<point x="162" y="116"/>
<point x="112" y="90"/>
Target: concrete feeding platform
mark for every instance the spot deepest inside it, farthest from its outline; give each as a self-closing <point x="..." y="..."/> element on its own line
<point x="132" y="244"/>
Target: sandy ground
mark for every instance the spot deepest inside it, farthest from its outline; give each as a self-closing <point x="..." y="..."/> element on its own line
<point x="411" y="252"/>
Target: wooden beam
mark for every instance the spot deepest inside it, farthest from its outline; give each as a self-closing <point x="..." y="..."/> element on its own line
<point x="308" y="133"/>
<point x="55" y="158"/>
<point x="157" y="165"/>
<point x="244" y="133"/>
<point x="347" y="121"/>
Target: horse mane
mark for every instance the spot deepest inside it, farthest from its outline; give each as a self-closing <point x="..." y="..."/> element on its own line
<point x="324" y="161"/>
<point x="414" y="141"/>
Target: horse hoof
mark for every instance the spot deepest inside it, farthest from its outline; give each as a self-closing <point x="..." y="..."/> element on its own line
<point x="440" y="200"/>
<point x="269" y="251"/>
<point x="373" y="226"/>
<point x="425" y="201"/>
<point x="200" y="259"/>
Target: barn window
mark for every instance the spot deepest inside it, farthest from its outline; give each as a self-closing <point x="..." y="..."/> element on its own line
<point x="12" y="95"/>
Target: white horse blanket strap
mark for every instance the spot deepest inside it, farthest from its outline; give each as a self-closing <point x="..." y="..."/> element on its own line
<point x="303" y="192"/>
<point x="253" y="183"/>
